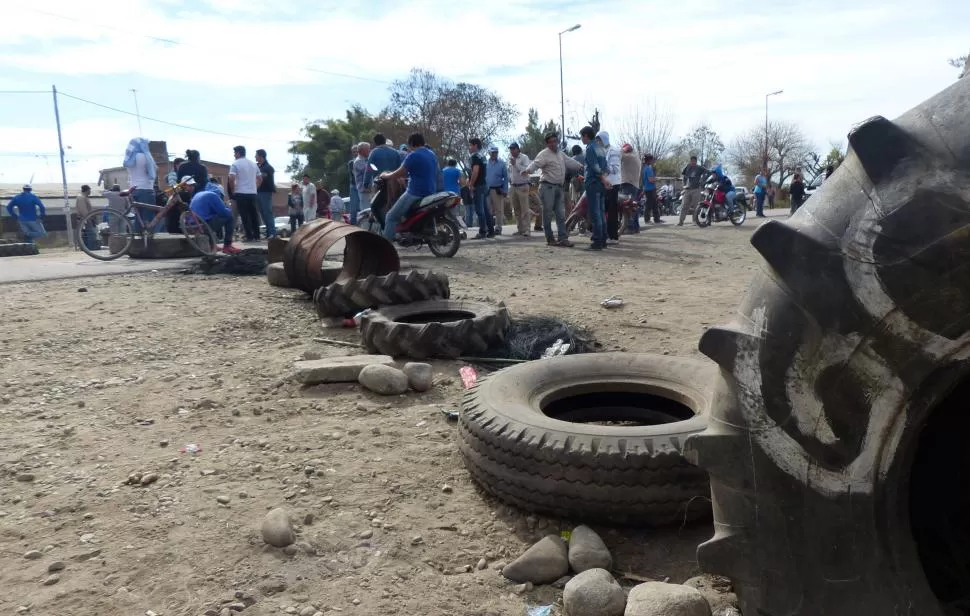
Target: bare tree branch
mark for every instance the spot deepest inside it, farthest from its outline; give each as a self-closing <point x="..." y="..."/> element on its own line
<point x="788" y="148"/>
<point x="649" y="128"/>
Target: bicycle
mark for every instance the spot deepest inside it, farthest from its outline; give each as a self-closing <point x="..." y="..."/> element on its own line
<point x="117" y="236"/>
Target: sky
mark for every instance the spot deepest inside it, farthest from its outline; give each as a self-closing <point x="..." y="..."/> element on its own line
<point x="256" y="72"/>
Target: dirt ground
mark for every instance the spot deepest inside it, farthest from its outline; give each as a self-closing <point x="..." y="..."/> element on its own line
<point x="115" y="380"/>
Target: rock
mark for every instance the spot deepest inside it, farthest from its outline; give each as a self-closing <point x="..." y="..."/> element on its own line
<point x="543" y="563"/>
<point x="383" y="379"/>
<point x="587" y="551"/>
<point x="222" y="500"/>
<point x="57" y="565"/>
<point x="291" y="550"/>
<point x="660" y="599"/>
<point x="26" y="477"/>
<point x="594" y="592"/>
<point x="520" y="589"/>
<point x="420" y="376"/>
<point x="561" y="582"/>
<point x="308" y="519"/>
<point x="345" y="369"/>
<point x="367" y="534"/>
<point x="447" y="489"/>
<point x="716" y="590"/>
<point x="149" y="478"/>
<point x="52" y="579"/>
<point x="482" y="564"/>
<point x="33" y="554"/>
<point x="308" y="611"/>
<point x="730" y="610"/>
<point x="276" y="529"/>
<point x="271" y="587"/>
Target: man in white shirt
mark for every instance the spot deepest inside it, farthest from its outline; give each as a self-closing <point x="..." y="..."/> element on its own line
<point x="519" y="191"/>
<point x="613" y="194"/>
<point x="309" y="199"/>
<point x="553" y="165"/>
<point x="244" y="179"/>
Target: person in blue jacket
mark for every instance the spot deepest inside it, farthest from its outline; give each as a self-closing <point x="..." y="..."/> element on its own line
<point x="27" y="207"/>
<point x="210" y="207"/>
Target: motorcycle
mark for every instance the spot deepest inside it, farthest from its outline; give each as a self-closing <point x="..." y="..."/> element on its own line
<point x="430" y="221"/>
<point x="715" y="206"/>
<point x="628" y="210"/>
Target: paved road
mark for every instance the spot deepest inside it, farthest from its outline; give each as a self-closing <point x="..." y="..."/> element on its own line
<point x="63" y="264"/>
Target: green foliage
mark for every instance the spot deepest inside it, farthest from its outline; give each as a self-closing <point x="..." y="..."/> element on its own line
<point x="327" y="144"/>
<point x="534" y="138"/>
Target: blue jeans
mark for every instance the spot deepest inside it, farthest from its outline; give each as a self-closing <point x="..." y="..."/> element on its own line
<point x="759" y="199"/>
<point x="396" y="213"/>
<point x="596" y="213"/>
<point x="265" y="200"/>
<point x="486" y="223"/>
<point x="224" y="224"/>
<point x="146" y="195"/>
<point x="354" y="206"/>
<point x="32" y="230"/>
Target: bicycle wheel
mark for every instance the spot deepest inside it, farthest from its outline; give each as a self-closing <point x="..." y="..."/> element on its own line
<point x="115" y="231"/>
<point x="198" y="232"/>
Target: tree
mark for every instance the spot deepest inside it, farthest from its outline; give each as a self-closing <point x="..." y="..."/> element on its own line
<point x="703" y="142"/>
<point x="534" y="138"/>
<point x="817" y="165"/>
<point x="327" y="144"/>
<point x="788" y="148"/>
<point x="962" y="63"/>
<point x="448" y="113"/>
<point x="648" y="128"/>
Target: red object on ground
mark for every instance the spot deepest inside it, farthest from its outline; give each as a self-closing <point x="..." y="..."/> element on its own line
<point x="468" y="376"/>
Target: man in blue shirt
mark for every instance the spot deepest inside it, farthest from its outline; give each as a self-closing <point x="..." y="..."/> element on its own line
<point x="760" y="192"/>
<point x="648" y="181"/>
<point x="597" y="181"/>
<point x="421" y="168"/>
<point x="451" y="175"/>
<point x="383" y="156"/>
<point x="28" y="205"/>
<point x="210" y="207"/>
<point x="497" y="179"/>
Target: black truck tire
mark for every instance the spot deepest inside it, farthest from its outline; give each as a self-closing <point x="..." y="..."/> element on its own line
<point x="840" y="472"/>
<point x="345" y="298"/>
<point x="526" y="437"/>
<point x="434" y="328"/>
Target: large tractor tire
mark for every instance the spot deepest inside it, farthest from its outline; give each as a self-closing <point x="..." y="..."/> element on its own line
<point x="434" y="328"/>
<point x="591" y="437"/>
<point x="348" y="297"/>
<point x="840" y="471"/>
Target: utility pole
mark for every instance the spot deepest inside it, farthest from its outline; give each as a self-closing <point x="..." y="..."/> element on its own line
<point x="134" y="93"/>
<point x="60" y="149"/>
<point x="562" y="89"/>
<point x="765" y="160"/>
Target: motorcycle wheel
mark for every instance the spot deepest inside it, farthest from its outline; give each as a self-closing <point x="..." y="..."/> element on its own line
<point x="737" y="215"/>
<point x="571" y="223"/>
<point x="447" y="237"/>
<point x="702" y="215"/>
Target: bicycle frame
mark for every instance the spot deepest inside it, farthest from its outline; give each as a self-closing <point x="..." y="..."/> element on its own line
<point x="148" y="230"/>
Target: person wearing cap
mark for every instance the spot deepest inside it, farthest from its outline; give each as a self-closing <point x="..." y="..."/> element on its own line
<point x="649" y="178"/>
<point x="265" y="191"/>
<point x="336" y="206"/>
<point x="244" y="180"/>
<point x="28" y="206"/>
<point x="497" y="179"/>
<point x="519" y="192"/>
<point x="208" y="206"/>
<point x="553" y="165"/>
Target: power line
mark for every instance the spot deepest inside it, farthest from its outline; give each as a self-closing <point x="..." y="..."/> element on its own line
<point x="167" y="123"/>
<point x="180" y="43"/>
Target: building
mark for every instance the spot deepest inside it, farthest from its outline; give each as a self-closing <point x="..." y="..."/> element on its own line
<point x="220" y="171"/>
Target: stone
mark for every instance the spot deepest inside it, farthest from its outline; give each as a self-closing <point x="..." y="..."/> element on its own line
<point x="291" y="550"/>
<point x="420" y="375"/>
<point x="716" y="590"/>
<point x="593" y="592"/>
<point x="276" y="529"/>
<point x="52" y="579"/>
<point x="26" y="477"/>
<point x="222" y="500"/>
<point x="447" y="489"/>
<point x="367" y="534"/>
<point x="33" y="554"/>
<point x="587" y="551"/>
<point x="521" y="589"/>
<point x="149" y="478"/>
<point x="308" y="611"/>
<point x="661" y="599"/>
<point x="543" y="563"/>
<point x="57" y="565"/>
<point x="276" y="275"/>
<point x="482" y="564"/>
<point x="271" y="587"/>
<point x="730" y="610"/>
<point x="383" y="379"/>
<point x="345" y="369"/>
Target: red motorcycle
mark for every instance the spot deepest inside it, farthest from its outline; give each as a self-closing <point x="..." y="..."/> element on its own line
<point x="430" y="221"/>
<point x="715" y="208"/>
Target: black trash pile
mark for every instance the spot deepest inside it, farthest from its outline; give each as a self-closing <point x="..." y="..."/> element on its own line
<point x="249" y="262"/>
<point x="536" y="336"/>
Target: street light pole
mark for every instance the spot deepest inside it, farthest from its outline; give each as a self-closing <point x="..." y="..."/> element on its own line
<point x="562" y="88"/>
<point x="765" y="160"/>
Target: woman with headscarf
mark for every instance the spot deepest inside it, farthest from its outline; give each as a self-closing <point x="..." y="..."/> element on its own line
<point x="142" y="172"/>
